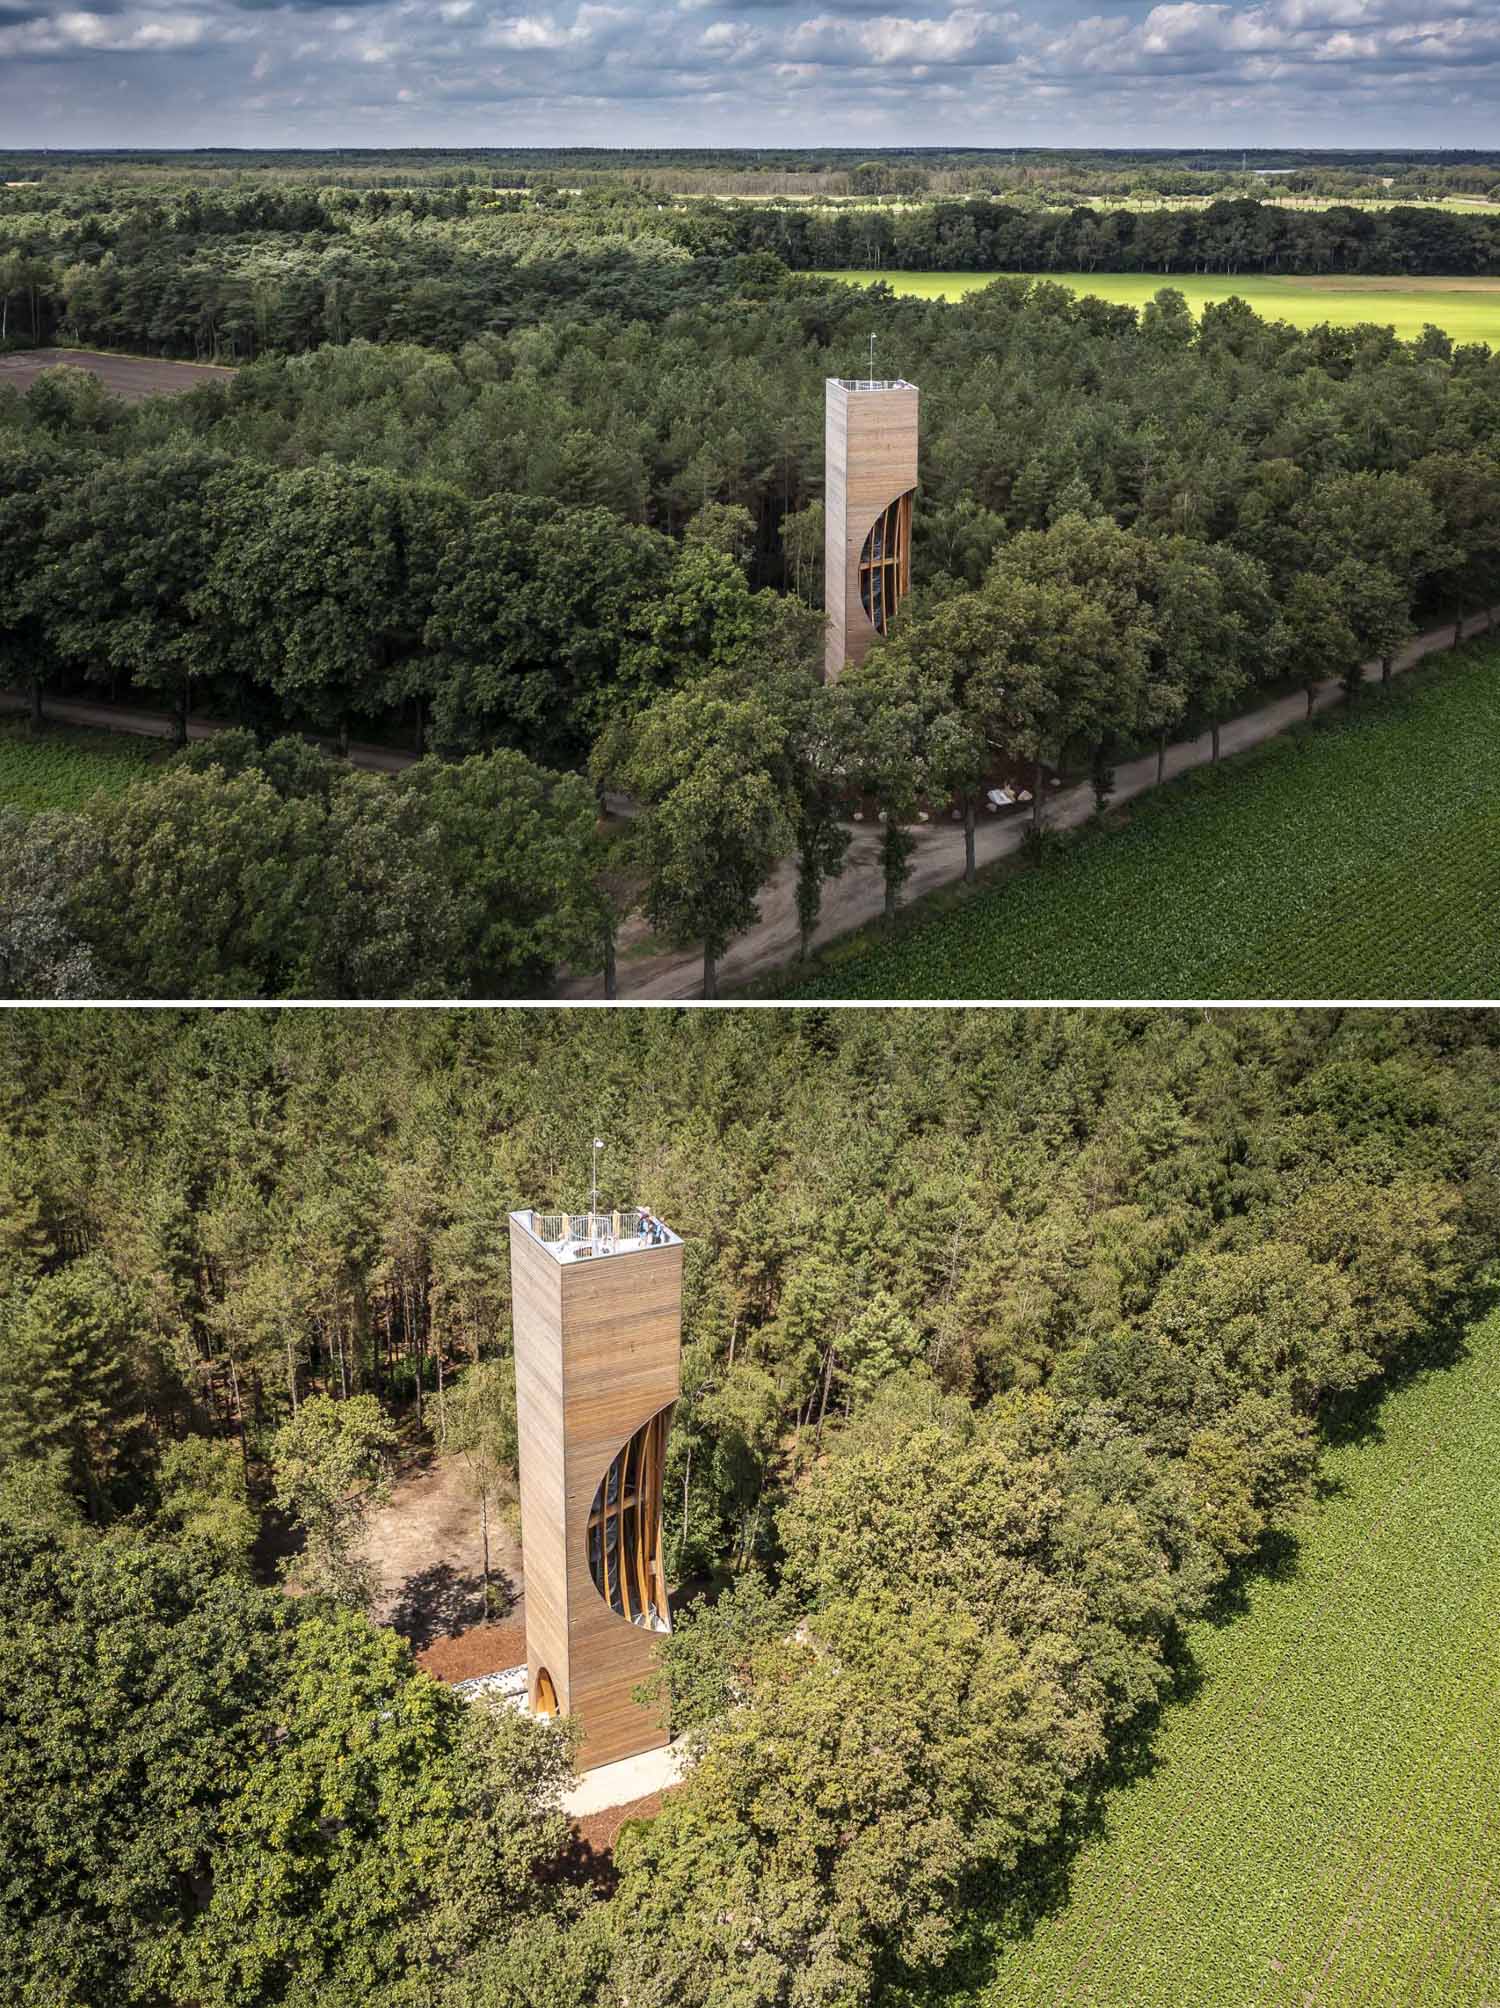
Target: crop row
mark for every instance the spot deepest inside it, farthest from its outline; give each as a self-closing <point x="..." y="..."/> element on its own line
<point x="1361" y="860"/>
<point x="1321" y="1827"/>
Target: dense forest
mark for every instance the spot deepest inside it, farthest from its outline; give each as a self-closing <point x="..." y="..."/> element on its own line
<point x="555" y="508"/>
<point x="225" y="273"/>
<point x="822" y="171"/>
<point x="1011" y="1340"/>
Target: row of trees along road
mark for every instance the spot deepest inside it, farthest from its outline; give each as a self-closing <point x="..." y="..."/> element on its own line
<point x="1009" y="1340"/>
<point x="565" y="543"/>
<point x="1082" y="636"/>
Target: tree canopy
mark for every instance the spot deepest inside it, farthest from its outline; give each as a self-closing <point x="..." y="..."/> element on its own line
<point x="1011" y="1340"/>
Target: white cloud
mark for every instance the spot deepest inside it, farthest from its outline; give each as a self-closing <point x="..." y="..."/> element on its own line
<point x="531" y="31"/>
<point x="75" y="30"/>
<point x="1177" y="72"/>
<point x="962" y="36"/>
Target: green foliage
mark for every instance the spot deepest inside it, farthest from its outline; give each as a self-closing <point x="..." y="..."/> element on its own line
<point x="555" y="457"/>
<point x="331" y="1467"/>
<point x="707" y="1660"/>
<point x="1010" y="1338"/>
<point x="42" y="950"/>
<point x="1405" y="306"/>
<point x="64" y="767"/>
<point x="204" y="1796"/>
<point x="37" y="1500"/>
<point x="1335" y="1758"/>
<point x="206" y="886"/>
<point x="918" y="1502"/>
<point x="131" y="545"/>
<point x="812" y="1842"/>
<point x="563" y="1959"/>
<point x="202" y="1486"/>
<point x="713" y="816"/>
<point x="386" y="1828"/>
<point x="534" y="608"/>
<point x="517" y="846"/>
<point x="70" y="1373"/>
<point x="1356" y="862"/>
<point x="133" y="1686"/>
<point x="276" y="871"/>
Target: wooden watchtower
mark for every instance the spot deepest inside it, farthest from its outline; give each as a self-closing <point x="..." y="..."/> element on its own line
<point x="870" y="477"/>
<point x="598" y="1337"/>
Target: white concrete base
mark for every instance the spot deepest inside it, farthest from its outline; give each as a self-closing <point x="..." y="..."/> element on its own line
<point x="629" y="1778"/>
<point x="607" y="1785"/>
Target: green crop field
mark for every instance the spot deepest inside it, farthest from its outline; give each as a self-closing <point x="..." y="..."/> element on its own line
<point x="1322" y="1821"/>
<point x="1361" y="859"/>
<point x="64" y="766"/>
<point x="1467" y="309"/>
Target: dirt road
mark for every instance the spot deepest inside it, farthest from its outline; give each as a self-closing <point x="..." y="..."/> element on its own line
<point x="157" y="725"/>
<point x="854" y="900"/>
<point x="858" y="897"/>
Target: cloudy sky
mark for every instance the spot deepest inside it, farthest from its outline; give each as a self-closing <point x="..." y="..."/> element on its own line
<point x="747" y="72"/>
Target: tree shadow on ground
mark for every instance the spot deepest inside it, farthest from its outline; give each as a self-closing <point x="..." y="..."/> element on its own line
<point x="279" y="1540"/>
<point x="1355" y="1417"/>
<point x="440" y="1601"/>
<point x="582" y="1866"/>
<point x="998" y="1908"/>
<point x="1276" y="1558"/>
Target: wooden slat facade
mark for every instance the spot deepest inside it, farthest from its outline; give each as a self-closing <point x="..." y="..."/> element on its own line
<point x="598" y="1346"/>
<point x="870" y="450"/>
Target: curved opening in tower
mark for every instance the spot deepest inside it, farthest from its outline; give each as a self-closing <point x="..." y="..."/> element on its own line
<point x="885" y="563"/>
<point x="624" y="1531"/>
<point x="546" y="1694"/>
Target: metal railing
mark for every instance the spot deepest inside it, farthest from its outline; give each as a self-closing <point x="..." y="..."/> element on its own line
<point x="587" y="1233"/>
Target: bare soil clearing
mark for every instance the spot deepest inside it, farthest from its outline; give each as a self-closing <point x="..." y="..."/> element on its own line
<point x="130" y="377"/>
<point x="429" y="1558"/>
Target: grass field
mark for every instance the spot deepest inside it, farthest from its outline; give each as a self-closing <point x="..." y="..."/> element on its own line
<point x="1360" y="859"/>
<point x="1468" y="309"/>
<point x="1452" y="205"/>
<point x="62" y="768"/>
<point x="1322" y="1822"/>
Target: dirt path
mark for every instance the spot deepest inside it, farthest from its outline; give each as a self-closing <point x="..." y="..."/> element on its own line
<point x="428" y="1555"/>
<point x="858" y="897"/>
<point x="157" y="725"/>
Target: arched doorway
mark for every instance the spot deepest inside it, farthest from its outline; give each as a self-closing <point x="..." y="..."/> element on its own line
<point x="546" y="1693"/>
